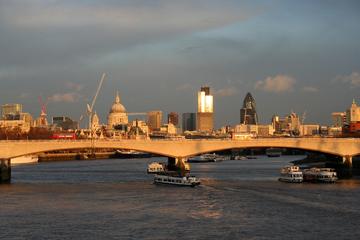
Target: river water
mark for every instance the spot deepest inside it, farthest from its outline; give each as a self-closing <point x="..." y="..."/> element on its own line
<point x="115" y="199"/>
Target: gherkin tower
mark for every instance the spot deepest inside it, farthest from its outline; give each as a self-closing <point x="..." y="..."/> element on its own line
<point x="248" y="113"/>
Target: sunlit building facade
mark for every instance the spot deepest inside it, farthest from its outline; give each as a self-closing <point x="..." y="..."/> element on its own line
<point x="353" y="113"/>
<point x="205" y="113"/>
<point x="154" y="120"/>
<point x="353" y="118"/>
<point x="11" y="111"/>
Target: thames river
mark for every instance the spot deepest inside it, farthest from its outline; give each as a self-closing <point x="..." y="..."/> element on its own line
<point x="116" y="199"/>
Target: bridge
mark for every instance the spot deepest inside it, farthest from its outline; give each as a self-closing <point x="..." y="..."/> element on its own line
<point x="180" y="150"/>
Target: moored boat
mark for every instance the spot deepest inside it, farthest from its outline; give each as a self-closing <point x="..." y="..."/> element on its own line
<point x="156" y="167"/>
<point x="322" y="175"/>
<point x="131" y="154"/>
<point x="189" y="181"/>
<point x="273" y="152"/>
<point x="291" y="174"/>
<point x="239" y="158"/>
<point x="207" y="157"/>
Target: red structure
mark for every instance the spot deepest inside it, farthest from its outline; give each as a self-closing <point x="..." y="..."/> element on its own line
<point x="69" y="136"/>
<point x="354" y="127"/>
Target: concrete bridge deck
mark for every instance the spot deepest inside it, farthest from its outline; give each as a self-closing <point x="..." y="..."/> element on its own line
<point x="344" y="147"/>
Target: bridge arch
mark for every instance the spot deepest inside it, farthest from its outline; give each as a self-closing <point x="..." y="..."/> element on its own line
<point x="79" y="150"/>
<point x="218" y="149"/>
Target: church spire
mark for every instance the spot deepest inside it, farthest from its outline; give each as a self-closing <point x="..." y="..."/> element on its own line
<point x="117" y="98"/>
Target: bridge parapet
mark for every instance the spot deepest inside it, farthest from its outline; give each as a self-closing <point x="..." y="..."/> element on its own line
<point x="183" y="148"/>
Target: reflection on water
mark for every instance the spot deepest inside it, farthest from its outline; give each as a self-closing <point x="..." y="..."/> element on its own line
<point x="115" y="199"/>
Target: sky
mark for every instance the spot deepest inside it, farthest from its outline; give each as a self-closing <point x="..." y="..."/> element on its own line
<point x="301" y="56"/>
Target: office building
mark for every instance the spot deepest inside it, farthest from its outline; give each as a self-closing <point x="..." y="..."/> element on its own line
<point x="289" y="125"/>
<point x="189" y="122"/>
<point x="248" y="113"/>
<point x="205" y="113"/>
<point x="11" y="111"/>
<point x="173" y="118"/>
<point x="310" y="129"/>
<point x="64" y="122"/>
<point x="338" y="119"/>
<point x="154" y="120"/>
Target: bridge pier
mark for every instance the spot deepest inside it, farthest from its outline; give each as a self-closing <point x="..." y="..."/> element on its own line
<point x="347" y="163"/>
<point x="5" y="171"/>
<point x="178" y="164"/>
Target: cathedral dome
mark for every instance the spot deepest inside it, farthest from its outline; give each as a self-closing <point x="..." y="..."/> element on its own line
<point x="117" y="107"/>
<point x="117" y="114"/>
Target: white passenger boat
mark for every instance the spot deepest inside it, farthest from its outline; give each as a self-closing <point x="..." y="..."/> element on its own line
<point x="175" y="180"/>
<point x="323" y="175"/>
<point x="291" y="174"/>
<point x="156" y="167"/>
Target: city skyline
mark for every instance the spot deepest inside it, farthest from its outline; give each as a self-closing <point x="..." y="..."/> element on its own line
<point x="299" y="56"/>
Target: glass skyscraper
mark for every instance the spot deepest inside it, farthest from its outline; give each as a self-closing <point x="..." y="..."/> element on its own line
<point x="248" y="113"/>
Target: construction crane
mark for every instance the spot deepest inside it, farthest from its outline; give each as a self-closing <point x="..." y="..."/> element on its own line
<point x="302" y="122"/>
<point x="136" y="113"/>
<point x="42" y="119"/>
<point x="303" y="118"/>
<point x="90" y="108"/>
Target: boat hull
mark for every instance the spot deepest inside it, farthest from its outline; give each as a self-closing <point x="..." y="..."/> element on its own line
<point x="290" y="180"/>
<point x="176" y="181"/>
<point x="320" y="175"/>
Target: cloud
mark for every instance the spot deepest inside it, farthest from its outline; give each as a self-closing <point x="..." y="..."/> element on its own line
<point x="52" y="33"/>
<point x="225" y="92"/>
<point x="310" y="89"/>
<point x="183" y="14"/>
<point x="279" y="83"/>
<point x="24" y="95"/>
<point x="65" y="97"/>
<point x="75" y="86"/>
<point x="4" y="74"/>
<point x="353" y="79"/>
